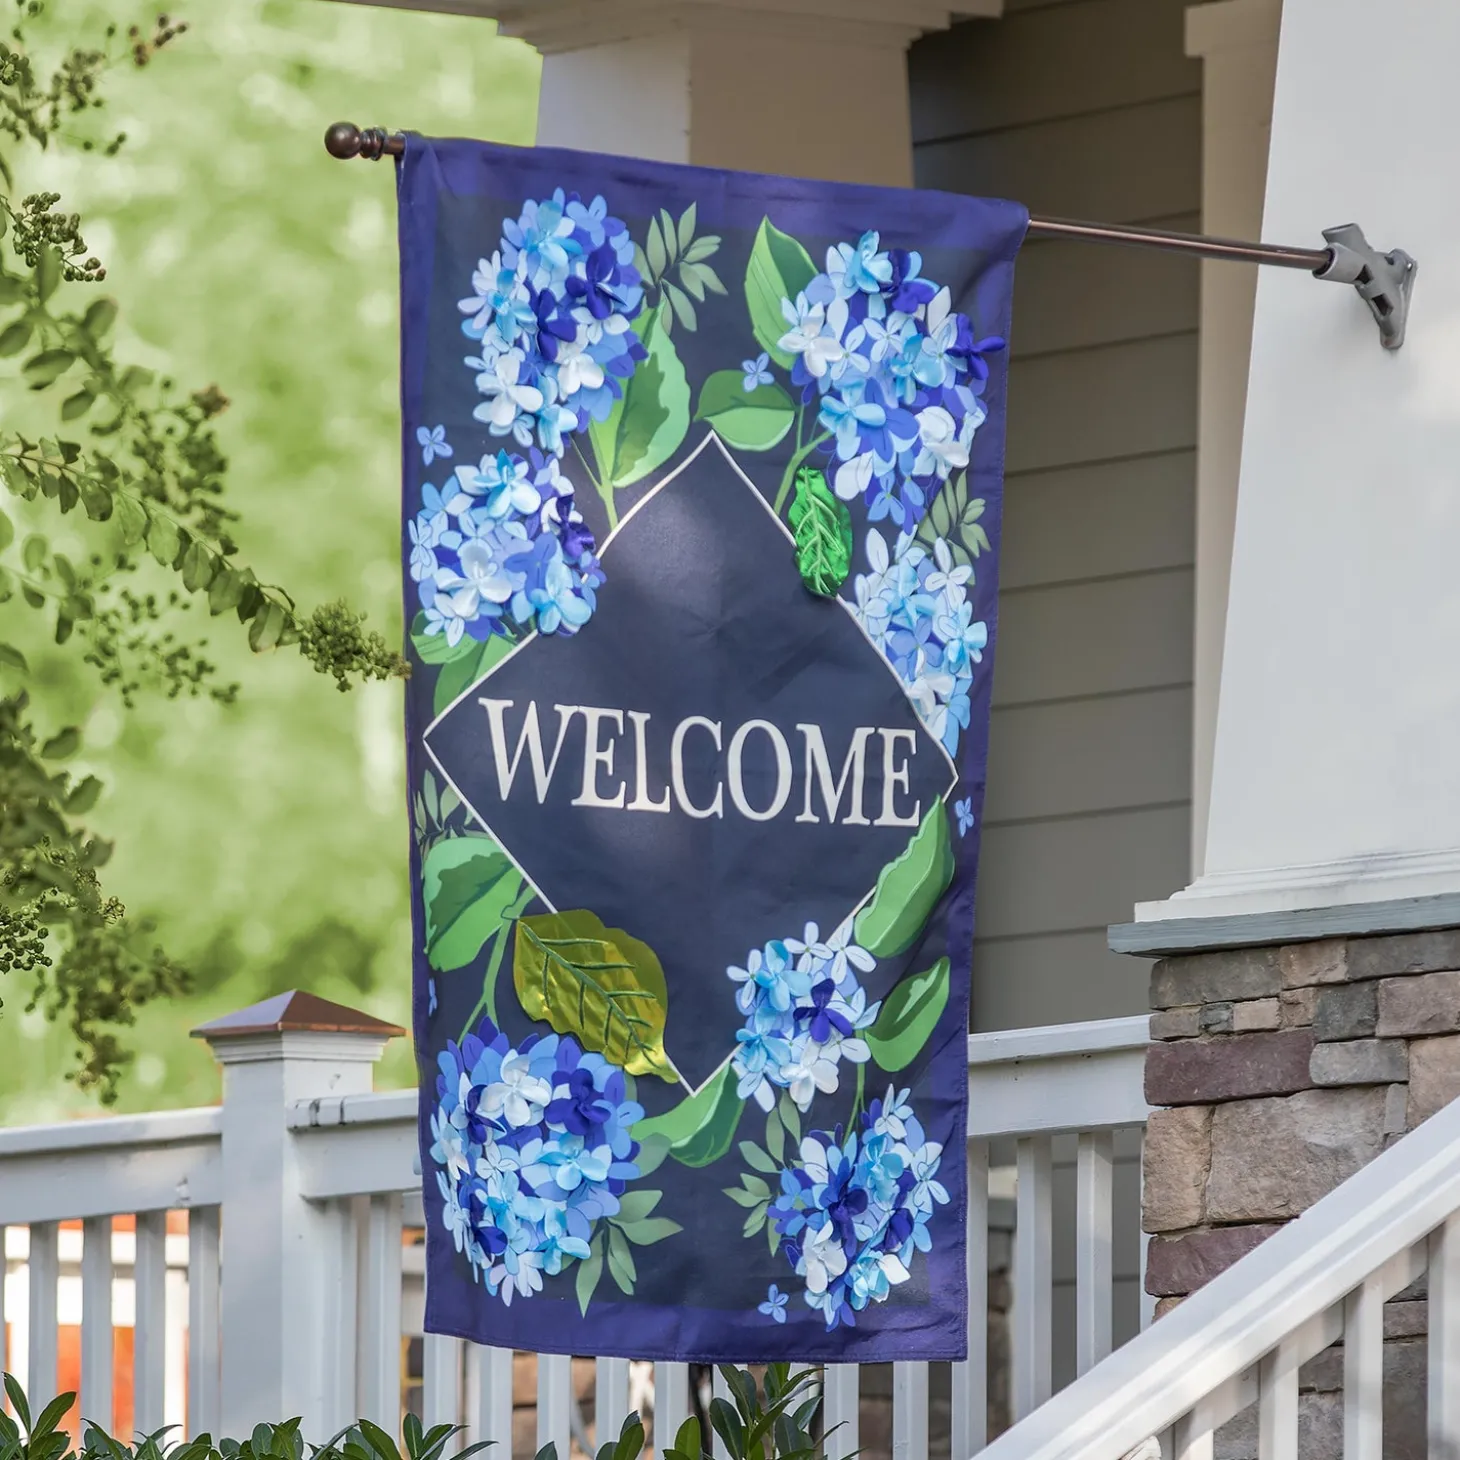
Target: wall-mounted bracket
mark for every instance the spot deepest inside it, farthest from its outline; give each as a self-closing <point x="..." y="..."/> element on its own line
<point x="1384" y="281"/>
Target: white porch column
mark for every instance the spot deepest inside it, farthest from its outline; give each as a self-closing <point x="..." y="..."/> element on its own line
<point x="276" y="1345"/>
<point x="812" y="88"/>
<point x="1335" y="774"/>
<point x="1237" y="42"/>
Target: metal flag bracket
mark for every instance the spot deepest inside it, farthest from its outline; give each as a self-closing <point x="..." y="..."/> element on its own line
<point x="1384" y="281"/>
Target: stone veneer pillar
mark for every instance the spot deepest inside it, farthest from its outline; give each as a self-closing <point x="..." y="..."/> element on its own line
<point x="1277" y="1072"/>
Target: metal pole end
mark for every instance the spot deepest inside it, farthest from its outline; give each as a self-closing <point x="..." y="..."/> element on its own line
<point x="345" y="140"/>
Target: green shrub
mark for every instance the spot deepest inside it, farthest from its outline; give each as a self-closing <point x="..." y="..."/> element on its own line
<point x="773" y="1421"/>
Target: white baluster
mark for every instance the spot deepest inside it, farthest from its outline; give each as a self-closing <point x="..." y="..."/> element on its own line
<point x="554" y="1400"/>
<point x="1189" y="1440"/>
<point x="971" y="1378"/>
<point x="380" y="1317"/>
<point x="175" y="1335"/>
<point x="149" y="1335"/>
<point x="1277" y="1405"/>
<point x="671" y="1403"/>
<point x="96" y="1321"/>
<point x="1363" y="1372"/>
<point x="340" y="1276"/>
<point x="1033" y="1272"/>
<point x="204" y="1321"/>
<point x="441" y="1380"/>
<point x="719" y="1389"/>
<point x="841" y="1408"/>
<point x="494" y="1400"/>
<point x="610" y="1398"/>
<point x="44" y="1270"/>
<point x="1444" y="1341"/>
<point x="909" y="1412"/>
<point x="1094" y="1265"/>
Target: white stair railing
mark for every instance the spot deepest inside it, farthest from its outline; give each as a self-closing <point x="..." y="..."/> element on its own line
<point x="1054" y="1123"/>
<point x="1242" y="1339"/>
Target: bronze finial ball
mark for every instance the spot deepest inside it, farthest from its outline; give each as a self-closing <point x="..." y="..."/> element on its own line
<point x="342" y="140"/>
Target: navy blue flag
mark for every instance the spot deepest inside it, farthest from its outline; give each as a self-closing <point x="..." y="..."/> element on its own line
<point x="701" y="524"/>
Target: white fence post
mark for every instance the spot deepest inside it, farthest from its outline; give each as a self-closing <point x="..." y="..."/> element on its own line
<point x="292" y="1047"/>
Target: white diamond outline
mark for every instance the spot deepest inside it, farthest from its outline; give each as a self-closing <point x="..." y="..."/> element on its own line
<point x="710" y="436"/>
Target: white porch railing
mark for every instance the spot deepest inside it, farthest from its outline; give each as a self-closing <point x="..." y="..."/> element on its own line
<point x="304" y="1183"/>
<point x="1241" y="1340"/>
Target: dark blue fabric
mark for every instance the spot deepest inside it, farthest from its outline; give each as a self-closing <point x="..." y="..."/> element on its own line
<point x="694" y="847"/>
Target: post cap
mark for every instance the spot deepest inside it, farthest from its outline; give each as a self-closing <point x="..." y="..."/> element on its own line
<point x="295" y="1012"/>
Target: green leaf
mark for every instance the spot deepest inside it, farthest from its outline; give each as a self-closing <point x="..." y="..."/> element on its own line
<point x="76" y="406"/>
<point x="12" y="658"/>
<point x="823" y="531"/>
<point x="621" y="1261"/>
<point x="649" y="1230"/>
<point x="164" y="538"/>
<point x="225" y="590"/>
<point x="909" y="1015"/>
<point x="750" y="420"/>
<point x="702" y="248"/>
<point x="790" y="1116"/>
<point x="598" y="984"/>
<point x="198" y="566"/>
<point x="630" y="1439"/>
<point x="634" y="1205"/>
<point x="48" y="272"/>
<point x="952" y="517"/>
<point x="908" y="888"/>
<point x="7" y="532"/>
<point x="652" y="1151"/>
<point x="267" y="625"/>
<point x="647" y="424"/>
<point x="779" y="268"/>
<point x="460" y="674"/>
<point x="689" y="277"/>
<point x="590" y="1269"/>
<point x="131" y="516"/>
<point x="687" y="1441"/>
<point x="756" y="1157"/>
<point x="743" y="1198"/>
<point x="755" y="1221"/>
<point x="710" y="279"/>
<point x="46" y="368"/>
<point x="467" y="885"/>
<point x="702" y="1126"/>
<point x="12" y="290"/>
<point x="100" y="316"/>
<point x="755" y="1186"/>
<point x="671" y="238"/>
<point x="687" y="226"/>
<point x="683" y="309"/>
<point x="655" y="250"/>
<point x="83" y="796"/>
<point x="61" y="746"/>
<point x="775" y="1137"/>
<point x="15" y="337"/>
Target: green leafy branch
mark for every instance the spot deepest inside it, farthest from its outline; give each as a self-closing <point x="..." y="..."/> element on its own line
<point x="673" y="264"/>
<point x="612" y="1247"/>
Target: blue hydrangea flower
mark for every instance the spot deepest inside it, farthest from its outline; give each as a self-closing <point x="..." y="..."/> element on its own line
<point x="775" y="1304"/>
<point x="853" y="1209"/>
<point x="896" y="372"/>
<point x="964" y="811"/>
<point x="913" y="606"/>
<point x="551" y="310"/>
<point x="804" y="1014"/>
<point x="757" y="371"/>
<point x="432" y="442"/>
<point x="533" y="1147"/>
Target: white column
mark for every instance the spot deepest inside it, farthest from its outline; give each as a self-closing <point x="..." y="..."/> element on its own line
<point x="1335" y="778"/>
<point x="275" y="1345"/>
<point x="1237" y="43"/>
<point x="802" y="87"/>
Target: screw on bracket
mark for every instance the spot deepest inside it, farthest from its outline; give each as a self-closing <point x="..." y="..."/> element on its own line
<point x="1384" y="281"/>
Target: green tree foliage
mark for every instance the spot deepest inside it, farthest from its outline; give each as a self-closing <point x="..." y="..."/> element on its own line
<point x="123" y="559"/>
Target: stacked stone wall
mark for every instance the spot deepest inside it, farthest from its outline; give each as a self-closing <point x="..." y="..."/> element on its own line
<point x="1278" y="1073"/>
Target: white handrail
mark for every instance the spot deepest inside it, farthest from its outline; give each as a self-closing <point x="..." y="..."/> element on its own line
<point x="1201" y="1359"/>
